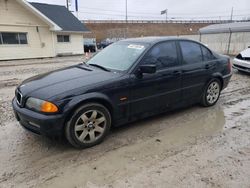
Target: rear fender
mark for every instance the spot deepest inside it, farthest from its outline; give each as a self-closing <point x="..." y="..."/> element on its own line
<point x="217" y="75"/>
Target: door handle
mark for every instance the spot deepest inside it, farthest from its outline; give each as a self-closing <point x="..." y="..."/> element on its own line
<point x="176" y="73"/>
<point x="208" y="66"/>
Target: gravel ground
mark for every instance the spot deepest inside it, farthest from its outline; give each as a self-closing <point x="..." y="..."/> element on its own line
<point x="191" y="147"/>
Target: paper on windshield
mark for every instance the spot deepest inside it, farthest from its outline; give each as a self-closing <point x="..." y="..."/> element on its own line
<point x="135" y="46"/>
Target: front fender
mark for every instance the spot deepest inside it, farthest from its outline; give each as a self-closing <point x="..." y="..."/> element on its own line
<point x="76" y="100"/>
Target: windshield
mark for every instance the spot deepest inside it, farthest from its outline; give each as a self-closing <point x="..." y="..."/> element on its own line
<point x="118" y="56"/>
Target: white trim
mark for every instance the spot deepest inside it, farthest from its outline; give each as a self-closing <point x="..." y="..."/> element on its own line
<point x="74" y="32"/>
<point x="53" y="42"/>
<point x="53" y="25"/>
<point x="26" y="25"/>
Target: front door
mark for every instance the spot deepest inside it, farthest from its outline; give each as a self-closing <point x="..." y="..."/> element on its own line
<point x="155" y="92"/>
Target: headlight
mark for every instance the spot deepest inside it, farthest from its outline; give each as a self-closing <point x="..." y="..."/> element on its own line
<point x="41" y="105"/>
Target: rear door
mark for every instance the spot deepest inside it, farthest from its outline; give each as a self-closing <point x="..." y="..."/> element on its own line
<point x="195" y="69"/>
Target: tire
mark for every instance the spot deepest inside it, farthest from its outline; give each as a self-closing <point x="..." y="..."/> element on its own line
<point x="211" y="93"/>
<point x="88" y="126"/>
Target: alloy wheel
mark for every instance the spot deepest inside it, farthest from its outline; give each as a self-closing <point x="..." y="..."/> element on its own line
<point x="213" y="92"/>
<point x="90" y="126"/>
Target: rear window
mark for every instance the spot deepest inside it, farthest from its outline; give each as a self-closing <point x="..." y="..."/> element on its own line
<point x="207" y="55"/>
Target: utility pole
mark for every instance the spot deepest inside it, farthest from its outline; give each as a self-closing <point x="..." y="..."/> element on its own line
<point x="67" y="4"/>
<point x="166" y="15"/>
<point x="76" y="7"/>
<point x="232" y="12"/>
<point x="126" y="10"/>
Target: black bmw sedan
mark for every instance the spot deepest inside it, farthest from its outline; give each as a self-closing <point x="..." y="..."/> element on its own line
<point x="128" y="80"/>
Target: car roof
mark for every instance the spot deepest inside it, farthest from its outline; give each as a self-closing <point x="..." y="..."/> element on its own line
<point x="151" y="40"/>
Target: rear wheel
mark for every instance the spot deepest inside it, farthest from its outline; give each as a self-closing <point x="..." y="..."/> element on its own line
<point x="211" y="93"/>
<point x="88" y="125"/>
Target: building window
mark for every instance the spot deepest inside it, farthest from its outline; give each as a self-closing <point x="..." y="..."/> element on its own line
<point x="13" y="38"/>
<point x="62" y="38"/>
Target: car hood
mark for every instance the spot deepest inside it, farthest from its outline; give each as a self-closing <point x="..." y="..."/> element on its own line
<point x="245" y="53"/>
<point x="64" y="80"/>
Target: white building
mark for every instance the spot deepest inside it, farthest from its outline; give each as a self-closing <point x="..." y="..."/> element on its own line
<point x="35" y="30"/>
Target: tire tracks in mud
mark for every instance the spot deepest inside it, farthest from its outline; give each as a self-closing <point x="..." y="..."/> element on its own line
<point x="6" y="113"/>
<point x="9" y="83"/>
<point x="41" y="61"/>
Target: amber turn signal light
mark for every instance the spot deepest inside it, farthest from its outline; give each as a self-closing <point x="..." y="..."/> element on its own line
<point x="48" y="107"/>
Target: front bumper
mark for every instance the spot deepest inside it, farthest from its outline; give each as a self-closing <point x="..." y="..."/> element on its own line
<point x="48" y="125"/>
<point x="241" y="65"/>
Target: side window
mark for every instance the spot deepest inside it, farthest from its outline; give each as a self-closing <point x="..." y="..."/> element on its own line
<point x="163" y="55"/>
<point x="191" y="52"/>
<point x="207" y="55"/>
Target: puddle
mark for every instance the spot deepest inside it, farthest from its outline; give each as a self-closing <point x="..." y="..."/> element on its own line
<point x="199" y="123"/>
<point x="175" y="132"/>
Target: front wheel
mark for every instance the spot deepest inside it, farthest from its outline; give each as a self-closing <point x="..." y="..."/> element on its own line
<point x="88" y="125"/>
<point x="211" y="93"/>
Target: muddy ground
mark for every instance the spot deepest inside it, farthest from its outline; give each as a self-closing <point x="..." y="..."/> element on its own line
<point x="191" y="147"/>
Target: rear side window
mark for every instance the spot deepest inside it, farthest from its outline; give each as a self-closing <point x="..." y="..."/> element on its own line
<point x="163" y="55"/>
<point x="207" y="55"/>
<point x="191" y="52"/>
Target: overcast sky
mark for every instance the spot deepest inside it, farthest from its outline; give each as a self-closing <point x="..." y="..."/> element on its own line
<point x="150" y="9"/>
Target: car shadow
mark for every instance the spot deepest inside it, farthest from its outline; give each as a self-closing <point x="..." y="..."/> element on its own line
<point x="130" y="132"/>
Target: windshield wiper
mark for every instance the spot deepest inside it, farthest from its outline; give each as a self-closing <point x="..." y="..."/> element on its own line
<point x="99" y="66"/>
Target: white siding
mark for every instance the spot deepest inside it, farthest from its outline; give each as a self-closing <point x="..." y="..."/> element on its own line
<point x="12" y="12"/>
<point x="75" y="46"/>
<point x="15" y="18"/>
<point x="41" y="41"/>
<point x="239" y="42"/>
<point x="39" y="44"/>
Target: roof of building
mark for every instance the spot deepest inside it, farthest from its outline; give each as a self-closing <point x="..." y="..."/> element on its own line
<point x="225" y="28"/>
<point x="61" y="16"/>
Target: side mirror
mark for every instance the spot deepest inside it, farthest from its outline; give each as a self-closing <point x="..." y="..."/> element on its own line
<point x="150" y="69"/>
